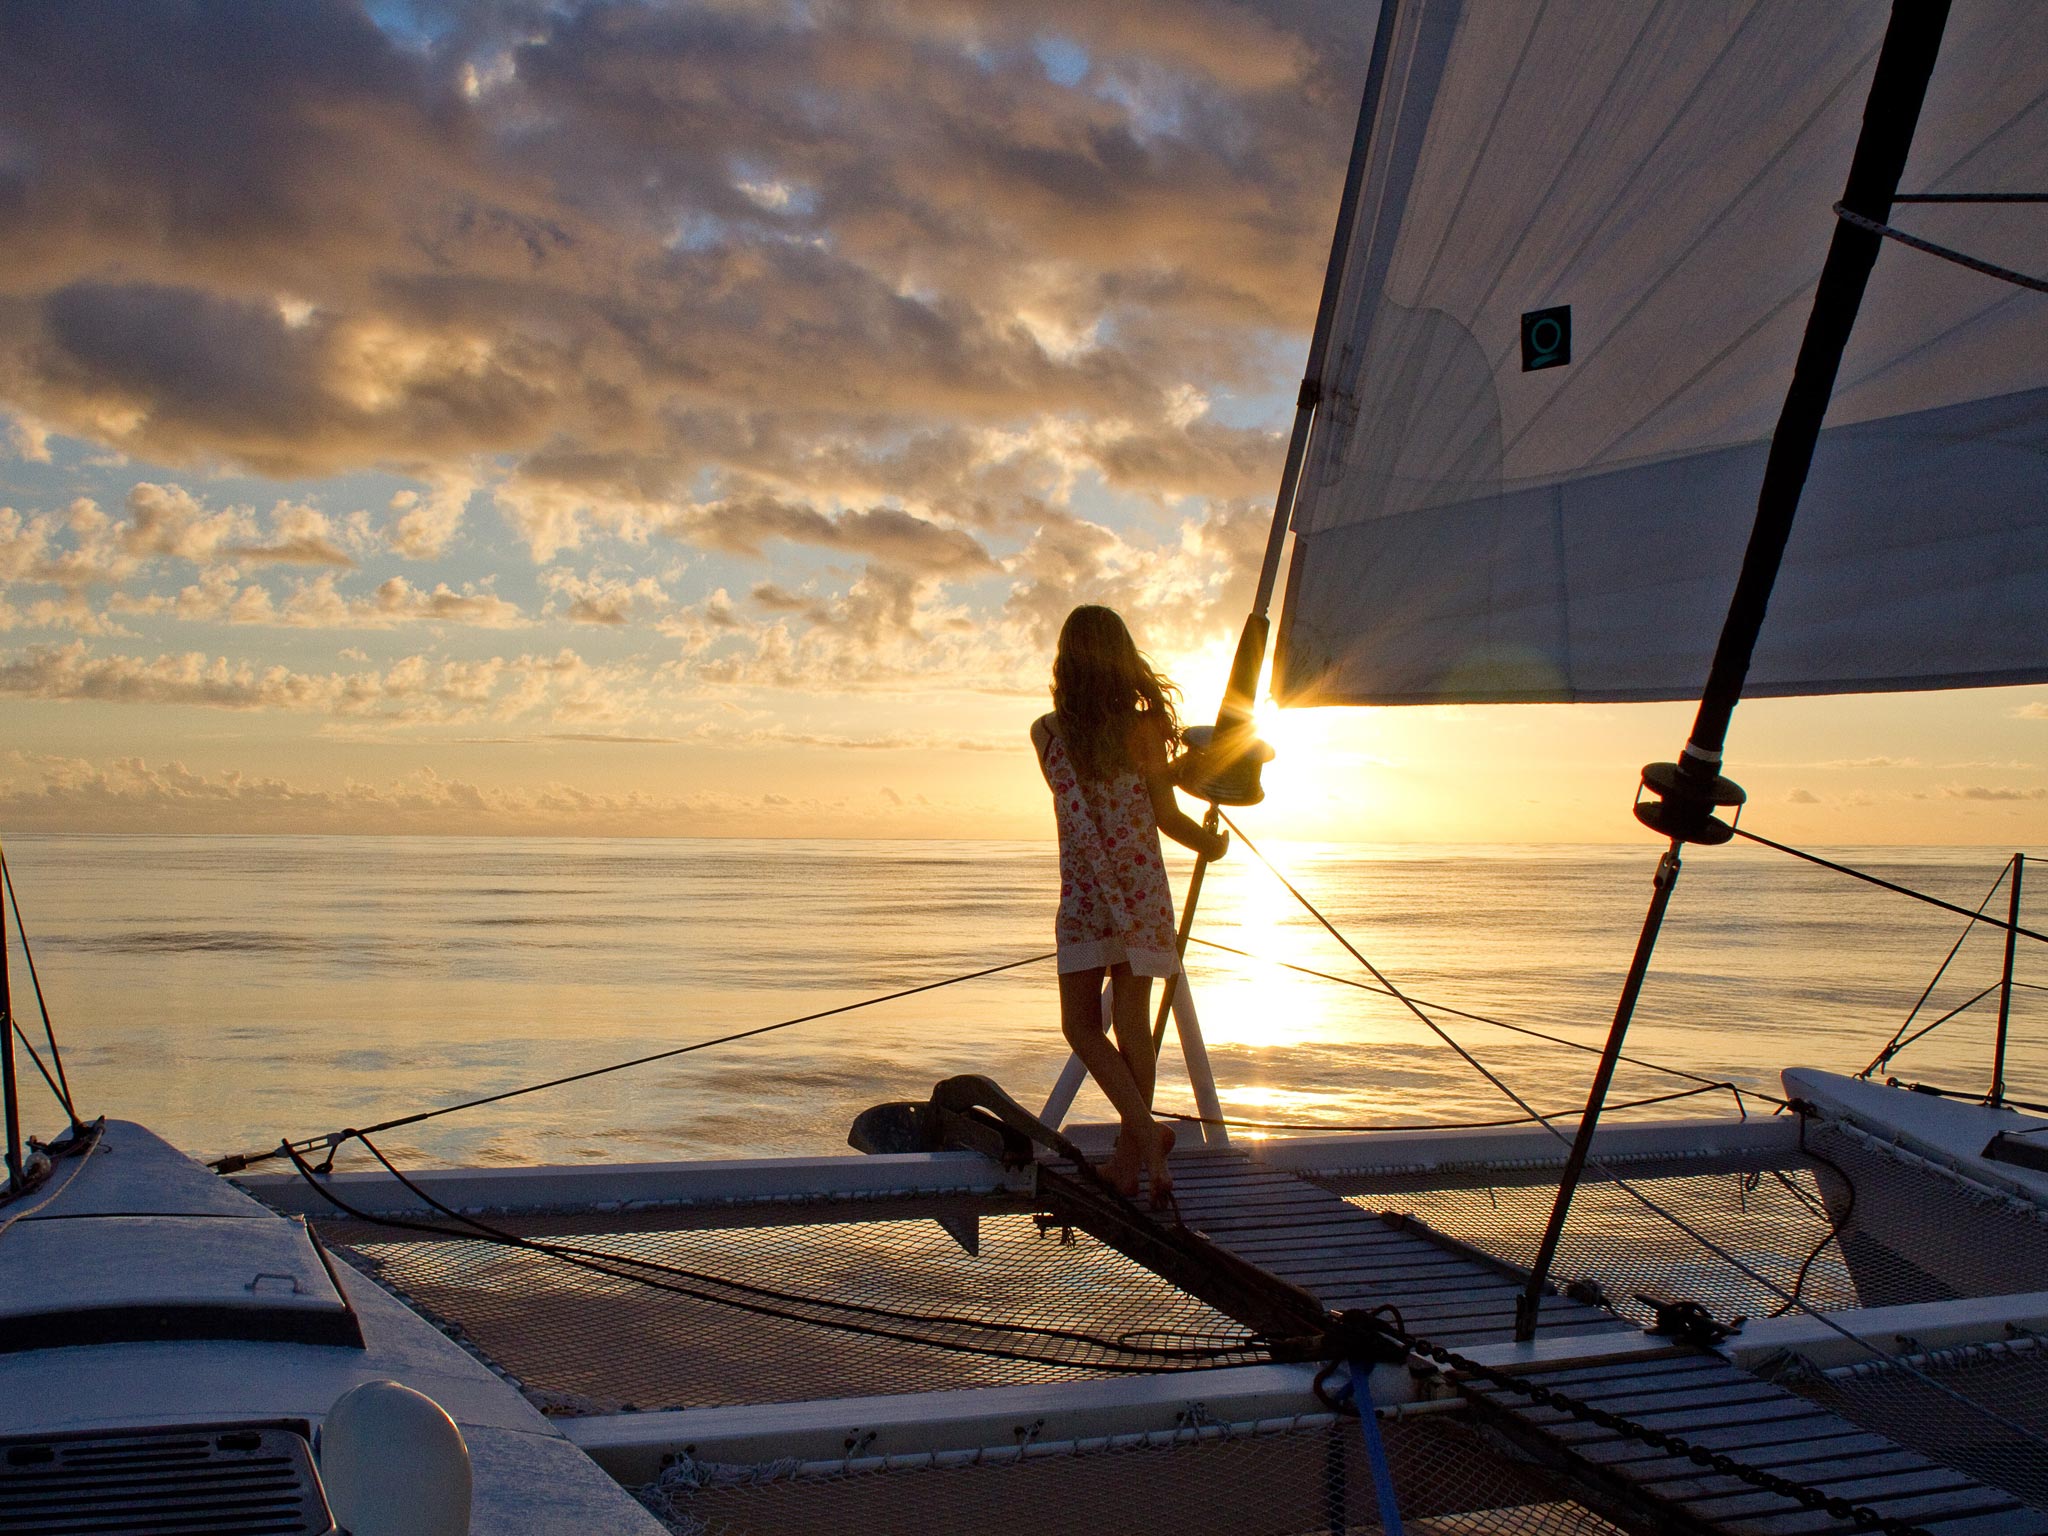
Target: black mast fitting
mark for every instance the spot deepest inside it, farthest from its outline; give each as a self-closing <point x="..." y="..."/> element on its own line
<point x="1224" y="759"/>
<point x="1685" y="799"/>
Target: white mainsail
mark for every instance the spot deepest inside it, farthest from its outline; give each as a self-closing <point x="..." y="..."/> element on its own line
<point x="1471" y="528"/>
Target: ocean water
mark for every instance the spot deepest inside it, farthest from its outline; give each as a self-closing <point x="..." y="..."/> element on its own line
<point x="233" y="990"/>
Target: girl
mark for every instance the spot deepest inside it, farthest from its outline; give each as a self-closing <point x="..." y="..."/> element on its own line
<point x="1104" y="751"/>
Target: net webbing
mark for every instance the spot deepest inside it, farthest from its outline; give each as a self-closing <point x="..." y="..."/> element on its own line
<point x="1302" y="1476"/>
<point x="890" y="1303"/>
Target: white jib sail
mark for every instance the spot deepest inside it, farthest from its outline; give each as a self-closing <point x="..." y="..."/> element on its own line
<point x="1584" y="253"/>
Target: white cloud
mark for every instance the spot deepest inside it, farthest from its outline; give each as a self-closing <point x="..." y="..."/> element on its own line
<point x="169" y="520"/>
<point x="428" y="521"/>
<point x="603" y="599"/>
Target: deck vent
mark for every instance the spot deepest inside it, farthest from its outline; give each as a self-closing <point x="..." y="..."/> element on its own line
<point x="243" y="1480"/>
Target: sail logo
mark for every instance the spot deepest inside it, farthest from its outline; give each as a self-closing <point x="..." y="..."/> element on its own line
<point x="1546" y="338"/>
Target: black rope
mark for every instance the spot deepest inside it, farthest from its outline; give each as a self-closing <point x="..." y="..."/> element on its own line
<point x="621" y="1267"/>
<point x="1836" y="1224"/>
<point x="1946" y="253"/>
<point x="62" y="1087"/>
<point x="1892" y="1046"/>
<point x="1480" y="1018"/>
<point x="1383" y="1322"/>
<point x="1441" y="1125"/>
<point x="237" y="1163"/>
<point x="1902" y="890"/>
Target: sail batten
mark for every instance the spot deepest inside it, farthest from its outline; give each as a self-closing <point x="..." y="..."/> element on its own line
<point x="1483" y="520"/>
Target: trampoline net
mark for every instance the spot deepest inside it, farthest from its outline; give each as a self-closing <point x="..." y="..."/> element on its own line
<point x="1301" y="1476"/>
<point x="884" y="1300"/>
<point x="1841" y="1224"/>
<point x="2004" y="1381"/>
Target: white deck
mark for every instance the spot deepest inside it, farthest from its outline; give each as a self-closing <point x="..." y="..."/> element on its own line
<point x="529" y="1479"/>
<point x="1952" y="1132"/>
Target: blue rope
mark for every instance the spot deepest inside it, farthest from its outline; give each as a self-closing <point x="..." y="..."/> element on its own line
<point x="1375" y="1448"/>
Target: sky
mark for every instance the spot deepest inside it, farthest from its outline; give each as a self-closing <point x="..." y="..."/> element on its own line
<point x="696" y="419"/>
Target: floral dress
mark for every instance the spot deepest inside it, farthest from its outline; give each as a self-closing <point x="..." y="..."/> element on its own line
<point x="1114" y="904"/>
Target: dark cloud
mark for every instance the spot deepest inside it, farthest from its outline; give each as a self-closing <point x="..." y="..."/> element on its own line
<point x="630" y="245"/>
<point x="886" y="534"/>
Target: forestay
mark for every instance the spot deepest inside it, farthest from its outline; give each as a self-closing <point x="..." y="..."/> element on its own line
<point x="1584" y="253"/>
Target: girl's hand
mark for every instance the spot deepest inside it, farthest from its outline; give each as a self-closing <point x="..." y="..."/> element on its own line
<point x="1219" y="844"/>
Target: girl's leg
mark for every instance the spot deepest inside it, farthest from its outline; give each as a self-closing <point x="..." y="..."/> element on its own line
<point x="1131" y="1013"/>
<point x="1081" y="1023"/>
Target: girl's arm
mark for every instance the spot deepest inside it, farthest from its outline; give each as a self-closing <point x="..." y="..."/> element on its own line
<point x="1173" y="821"/>
<point x="1041" y="738"/>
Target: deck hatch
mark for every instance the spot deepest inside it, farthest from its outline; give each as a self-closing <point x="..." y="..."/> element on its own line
<point x="234" y="1481"/>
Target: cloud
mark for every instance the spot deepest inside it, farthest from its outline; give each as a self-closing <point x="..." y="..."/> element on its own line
<point x="397" y="601"/>
<point x="49" y="793"/>
<point x="29" y="439"/>
<point x="594" y="599"/>
<point x="1994" y="792"/>
<point x="652" y="259"/>
<point x="429" y="520"/>
<point x="1802" y="797"/>
<point x="886" y="534"/>
<point x="2034" y="711"/>
<point x="220" y="597"/>
<point x="86" y="548"/>
<point x="414" y="690"/>
<point x="169" y="520"/>
<point x="299" y="535"/>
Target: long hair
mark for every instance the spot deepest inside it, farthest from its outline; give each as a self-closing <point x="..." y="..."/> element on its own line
<point x="1101" y="683"/>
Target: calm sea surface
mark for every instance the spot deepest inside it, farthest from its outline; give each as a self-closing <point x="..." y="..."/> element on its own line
<point x="230" y="991"/>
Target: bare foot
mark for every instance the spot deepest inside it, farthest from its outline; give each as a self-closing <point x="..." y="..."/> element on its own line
<point x="1123" y="1167"/>
<point x="1156" y="1169"/>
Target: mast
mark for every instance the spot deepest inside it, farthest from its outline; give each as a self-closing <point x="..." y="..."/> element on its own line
<point x="1235" y="756"/>
<point x="10" y="1093"/>
<point x="1686" y="794"/>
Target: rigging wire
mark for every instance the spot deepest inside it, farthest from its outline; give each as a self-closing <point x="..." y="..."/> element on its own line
<point x="1892" y="1045"/>
<point x="1902" y="890"/>
<point x="769" y="1302"/>
<point x="331" y="1140"/>
<point x="1679" y="1223"/>
<point x="1441" y="1125"/>
<point x="1946" y="253"/>
<point x="1480" y="1018"/>
<point x="2028" y="986"/>
<point x="62" y="1086"/>
<point x="1970" y="197"/>
<point x="1975" y="1097"/>
<point x="30" y="1046"/>
<point x="1377" y="975"/>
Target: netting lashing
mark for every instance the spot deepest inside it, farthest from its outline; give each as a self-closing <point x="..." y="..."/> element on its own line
<point x="1135" y="1351"/>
